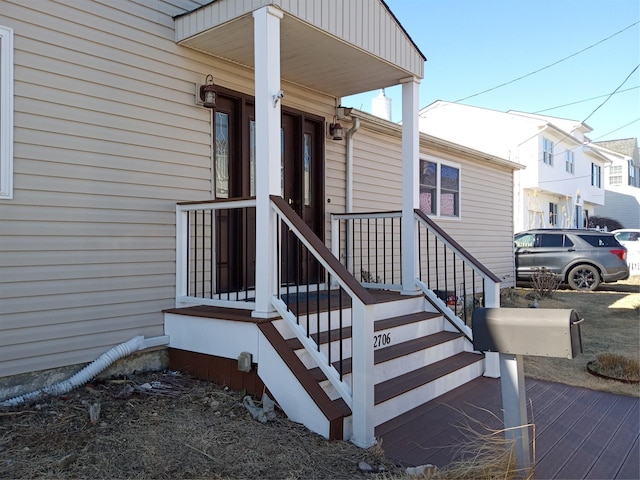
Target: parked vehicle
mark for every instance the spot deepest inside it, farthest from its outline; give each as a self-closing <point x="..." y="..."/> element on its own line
<point x="580" y="258"/>
<point x="628" y="236"/>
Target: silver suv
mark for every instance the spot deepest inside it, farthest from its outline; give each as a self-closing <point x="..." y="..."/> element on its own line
<point x="580" y="258"/>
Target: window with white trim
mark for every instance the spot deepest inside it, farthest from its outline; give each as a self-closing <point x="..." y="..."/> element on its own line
<point x="6" y="113"/>
<point x="547" y="151"/>
<point x="596" y="178"/>
<point x="440" y="189"/>
<point x="615" y="175"/>
<point x="570" y="162"/>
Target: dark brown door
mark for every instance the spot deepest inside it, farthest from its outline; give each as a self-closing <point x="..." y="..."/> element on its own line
<point x="302" y="173"/>
<point x="302" y="188"/>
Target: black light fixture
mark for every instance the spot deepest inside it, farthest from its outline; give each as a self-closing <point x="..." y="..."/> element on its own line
<point x="335" y="130"/>
<point x="208" y="93"/>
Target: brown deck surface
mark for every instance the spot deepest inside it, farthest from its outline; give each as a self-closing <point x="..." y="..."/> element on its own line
<point x="580" y="433"/>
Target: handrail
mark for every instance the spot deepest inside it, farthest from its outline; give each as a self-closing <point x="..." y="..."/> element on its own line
<point x="322" y="253"/>
<point x="360" y="392"/>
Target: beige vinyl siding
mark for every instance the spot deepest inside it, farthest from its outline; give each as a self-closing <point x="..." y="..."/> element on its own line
<point x="107" y="139"/>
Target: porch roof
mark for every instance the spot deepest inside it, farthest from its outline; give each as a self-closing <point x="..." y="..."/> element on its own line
<point x="335" y="47"/>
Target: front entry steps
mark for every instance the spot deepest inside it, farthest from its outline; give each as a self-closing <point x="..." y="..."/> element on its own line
<point x="415" y="361"/>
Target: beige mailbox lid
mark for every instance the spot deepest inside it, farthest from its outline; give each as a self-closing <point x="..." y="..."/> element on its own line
<point x="545" y="332"/>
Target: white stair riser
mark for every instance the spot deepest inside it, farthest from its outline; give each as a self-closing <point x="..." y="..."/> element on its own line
<point x="407" y="332"/>
<point x="396" y="308"/>
<point x="309" y="362"/>
<point x="401" y="365"/>
<point x="286" y="333"/>
<point x="414" y="398"/>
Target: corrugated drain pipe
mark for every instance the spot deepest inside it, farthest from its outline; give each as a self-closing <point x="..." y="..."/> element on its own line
<point x="92" y="370"/>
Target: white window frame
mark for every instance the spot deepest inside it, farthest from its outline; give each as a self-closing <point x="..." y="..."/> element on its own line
<point x="439" y="163"/>
<point x="615" y="175"/>
<point x="570" y="162"/>
<point x="6" y="113"/>
<point x="547" y="151"/>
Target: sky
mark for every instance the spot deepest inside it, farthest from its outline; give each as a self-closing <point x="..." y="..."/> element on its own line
<point x="476" y="45"/>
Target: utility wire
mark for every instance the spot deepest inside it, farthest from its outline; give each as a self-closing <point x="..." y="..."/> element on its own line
<point x="585" y="100"/>
<point x="612" y="93"/>
<point x="614" y="131"/>
<point x="548" y="66"/>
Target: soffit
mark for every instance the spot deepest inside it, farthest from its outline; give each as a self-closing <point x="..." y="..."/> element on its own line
<point x="318" y="51"/>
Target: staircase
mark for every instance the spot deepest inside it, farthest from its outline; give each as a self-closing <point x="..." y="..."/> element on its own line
<point x="418" y="356"/>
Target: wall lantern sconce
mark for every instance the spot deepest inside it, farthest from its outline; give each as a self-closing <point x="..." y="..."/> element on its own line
<point x="335" y="130"/>
<point x="208" y="93"/>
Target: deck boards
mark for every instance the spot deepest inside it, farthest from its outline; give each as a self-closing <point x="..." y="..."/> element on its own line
<point x="580" y="433"/>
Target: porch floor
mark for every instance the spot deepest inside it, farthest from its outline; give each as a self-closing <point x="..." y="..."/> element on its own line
<point x="580" y="433"/>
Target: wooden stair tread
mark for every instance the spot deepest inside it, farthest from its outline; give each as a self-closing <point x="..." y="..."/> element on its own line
<point x="414" y="345"/>
<point x="334" y="410"/>
<point x="394" y="351"/>
<point x="404" y="383"/>
<point x="398" y="321"/>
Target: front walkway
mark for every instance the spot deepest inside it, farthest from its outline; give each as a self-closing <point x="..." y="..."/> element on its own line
<point x="579" y="433"/>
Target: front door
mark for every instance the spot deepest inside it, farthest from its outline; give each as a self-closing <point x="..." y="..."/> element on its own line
<point x="302" y="173"/>
<point x="302" y="188"/>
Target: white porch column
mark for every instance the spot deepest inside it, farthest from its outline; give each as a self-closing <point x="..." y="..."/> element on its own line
<point x="410" y="182"/>
<point x="266" y="40"/>
<point x="492" y="359"/>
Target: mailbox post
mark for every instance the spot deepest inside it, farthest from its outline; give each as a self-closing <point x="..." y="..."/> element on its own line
<point x="514" y="332"/>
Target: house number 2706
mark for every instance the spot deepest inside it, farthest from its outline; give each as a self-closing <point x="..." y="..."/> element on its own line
<point x="381" y="340"/>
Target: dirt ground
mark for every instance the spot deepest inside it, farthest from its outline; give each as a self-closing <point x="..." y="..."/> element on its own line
<point x="165" y="425"/>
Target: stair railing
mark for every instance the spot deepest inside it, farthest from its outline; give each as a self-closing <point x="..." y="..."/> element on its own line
<point x="311" y="278"/>
<point x="452" y="279"/>
<point x="213" y="256"/>
<point x="369" y="245"/>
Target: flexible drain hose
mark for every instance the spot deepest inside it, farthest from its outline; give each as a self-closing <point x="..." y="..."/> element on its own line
<point x="83" y="376"/>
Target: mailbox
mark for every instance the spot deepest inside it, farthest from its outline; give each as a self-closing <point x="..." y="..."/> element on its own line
<point x="527" y="331"/>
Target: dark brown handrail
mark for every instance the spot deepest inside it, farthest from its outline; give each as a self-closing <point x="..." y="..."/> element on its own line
<point x="339" y="270"/>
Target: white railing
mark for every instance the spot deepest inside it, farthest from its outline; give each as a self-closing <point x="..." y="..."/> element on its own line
<point x="214" y="267"/>
<point x="322" y="268"/>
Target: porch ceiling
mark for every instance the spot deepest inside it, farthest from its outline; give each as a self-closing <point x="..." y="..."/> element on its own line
<point x="310" y="56"/>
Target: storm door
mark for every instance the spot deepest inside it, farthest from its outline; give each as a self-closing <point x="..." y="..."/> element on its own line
<point x="302" y="173"/>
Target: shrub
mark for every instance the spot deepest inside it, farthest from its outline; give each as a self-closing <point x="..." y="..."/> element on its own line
<point x="602" y="222"/>
<point x="544" y="282"/>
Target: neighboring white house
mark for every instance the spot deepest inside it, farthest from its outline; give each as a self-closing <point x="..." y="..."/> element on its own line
<point x="563" y="181"/>
<point x="622" y="182"/>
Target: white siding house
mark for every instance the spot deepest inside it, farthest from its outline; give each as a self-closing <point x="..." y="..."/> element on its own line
<point x="622" y="182"/>
<point x="563" y="181"/>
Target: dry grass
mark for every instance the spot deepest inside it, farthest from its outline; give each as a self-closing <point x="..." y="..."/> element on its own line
<point x="185" y="428"/>
<point x="616" y="366"/>
<point x="612" y="324"/>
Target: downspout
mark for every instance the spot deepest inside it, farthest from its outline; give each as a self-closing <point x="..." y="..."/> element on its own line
<point x="349" y="188"/>
<point x="92" y="370"/>
<point x="352" y="131"/>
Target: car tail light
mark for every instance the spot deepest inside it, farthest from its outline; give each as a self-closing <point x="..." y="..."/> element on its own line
<point x="620" y="253"/>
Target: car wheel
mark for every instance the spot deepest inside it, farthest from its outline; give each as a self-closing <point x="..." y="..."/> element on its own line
<point x="583" y="277"/>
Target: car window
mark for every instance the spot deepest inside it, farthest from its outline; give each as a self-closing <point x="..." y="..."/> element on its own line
<point x="628" y="236"/>
<point x="600" y="240"/>
<point x="554" y="240"/>
<point x="525" y="240"/>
